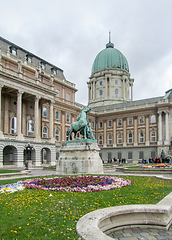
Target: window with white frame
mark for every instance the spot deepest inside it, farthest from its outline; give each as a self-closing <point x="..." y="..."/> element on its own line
<point x="141" y="120"/>
<point x="57" y="93"/>
<point x="153" y="119"/>
<point x="30" y="128"/>
<point x="45" y="132"/>
<point x="153" y="136"/>
<point x="57" y="115"/>
<point x="100" y="140"/>
<point x="141" y="137"/>
<point x="93" y="124"/>
<point x="116" y="92"/>
<point x="109" y="123"/>
<point x="67" y="135"/>
<point x="130" y="137"/>
<point x="116" y="82"/>
<point x="13" y="125"/>
<point x="68" y="96"/>
<point x="130" y="121"/>
<point x="100" y="93"/>
<point x="67" y="117"/>
<point x="119" y="138"/>
<point x="100" y="124"/>
<point x="45" y="112"/>
<point x="119" y="122"/>
<point x="110" y="139"/>
<point x="57" y="134"/>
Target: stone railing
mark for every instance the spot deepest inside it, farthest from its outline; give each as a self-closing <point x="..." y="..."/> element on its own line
<point x="95" y="225"/>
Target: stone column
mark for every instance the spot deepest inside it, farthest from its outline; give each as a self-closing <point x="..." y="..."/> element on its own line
<point x="36" y="118"/>
<point x="105" y="135"/>
<point x="19" y="115"/>
<point x="106" y="89"/>
<point x="1" y="132"/>
<point x="132" y="92"/>
<point x="89" y="97"/>
<point x="93" y="90"/>
<point x="51" y="122"/>
<point x="7" y="123"/>
<point x="114" y="132"/>
<point x="63" y="126"/>
<point x="0" y="59"/>
<point x="135" y="131"/>
<point x="110" y="83"/>
<point x="124" y="132"/>
<point x="147" y="130"/>
<point x="166" y="128"/>
<point x="159" y="127"/>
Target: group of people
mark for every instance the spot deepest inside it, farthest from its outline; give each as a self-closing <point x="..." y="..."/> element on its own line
<point x="115" y="160"/>
<point x="156" y="160"/>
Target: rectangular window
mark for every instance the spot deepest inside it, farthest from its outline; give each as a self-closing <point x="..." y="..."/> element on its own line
<point x="57" y="93"/>
<point x="130" y="155"/>
<point x="116" y="81"/>
<point x="68" y="96"/>
<point x="141" y="155"/>
<point x="130" y="121"/>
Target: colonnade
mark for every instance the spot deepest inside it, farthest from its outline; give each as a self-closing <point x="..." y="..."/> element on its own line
<point x="37" y="118"/>
<point x="162" y="129"/>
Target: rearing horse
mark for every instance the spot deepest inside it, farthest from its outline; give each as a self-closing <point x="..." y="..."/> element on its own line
<point x="81" y="124"/>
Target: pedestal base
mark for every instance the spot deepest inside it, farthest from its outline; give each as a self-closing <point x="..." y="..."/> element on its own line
<point x="79" y="157"/>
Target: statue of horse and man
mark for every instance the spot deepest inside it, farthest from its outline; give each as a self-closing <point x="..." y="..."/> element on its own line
<point x="82" y="125"/>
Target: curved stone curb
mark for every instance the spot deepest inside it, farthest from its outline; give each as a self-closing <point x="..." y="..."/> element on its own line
<point x="93" y="225"/>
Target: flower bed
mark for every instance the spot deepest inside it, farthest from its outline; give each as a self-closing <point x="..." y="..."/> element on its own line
<point x="77" y="184"/>
<point x="159" y="165"/>
<point x="11" y="188"/>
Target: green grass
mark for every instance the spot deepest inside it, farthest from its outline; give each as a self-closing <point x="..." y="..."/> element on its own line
<point x="2" y="171"/>
<point x="34" y="214"/>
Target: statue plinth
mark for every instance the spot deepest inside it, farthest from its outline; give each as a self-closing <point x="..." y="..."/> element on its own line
<point x="80" y="157"/>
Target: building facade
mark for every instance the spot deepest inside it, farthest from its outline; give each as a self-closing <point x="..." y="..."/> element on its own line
<point x="38" y="105"/>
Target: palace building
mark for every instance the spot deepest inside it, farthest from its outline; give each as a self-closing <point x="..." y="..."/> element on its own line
<point x="38" y="105"/>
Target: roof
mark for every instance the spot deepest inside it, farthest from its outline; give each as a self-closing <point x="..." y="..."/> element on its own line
<point x="110" y="57"/>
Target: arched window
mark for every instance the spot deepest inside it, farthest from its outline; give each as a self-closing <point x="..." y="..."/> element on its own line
<point x="109" y="123"/>
<point x="141" y="137"/>
<point x="13" y="125"/>
<point x="110" y="139"/>
<point x="130" y="137"/>
<point x="119" y="122"/>
<point x="57" y="93"/>
<point x="153" y="136"/>
<point x="153" y="119"/>
<point x="57" y="115"/>
<point x="57" y="135"/>
<point x="130" y="121"/>
<point x="116" y="92"/>
<point x="119" y="138"/>
<point x="67" y="117"/>
<point x="45" y="112"/>
<point x="78" y="136"/>
<point x="100" y="93"/>
<point x="141" y="120"/>
<point x="100" y="140"/>
<point x="45" y="132"/>
<point x="30" y="128"/>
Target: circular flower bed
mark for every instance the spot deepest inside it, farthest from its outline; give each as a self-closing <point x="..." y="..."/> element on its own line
<point x="77" y="184"/>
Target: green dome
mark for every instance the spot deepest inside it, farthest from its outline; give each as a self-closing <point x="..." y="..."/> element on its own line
<point x="110" y="58"/>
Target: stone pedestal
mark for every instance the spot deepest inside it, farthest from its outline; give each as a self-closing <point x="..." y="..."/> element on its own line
<point x="79" y="157"/>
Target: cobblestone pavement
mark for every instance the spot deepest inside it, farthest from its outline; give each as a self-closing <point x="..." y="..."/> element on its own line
<point x="141" y="234"/>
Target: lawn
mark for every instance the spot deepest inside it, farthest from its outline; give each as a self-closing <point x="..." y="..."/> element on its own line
<point x="38" y="214"/>
<point x="3" y="171"/>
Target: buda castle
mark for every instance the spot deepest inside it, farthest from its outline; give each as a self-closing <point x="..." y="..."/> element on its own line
<point x="38" y="105"/>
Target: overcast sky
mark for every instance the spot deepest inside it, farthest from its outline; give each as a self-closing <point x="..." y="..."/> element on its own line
<point x="70" y="33"/>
